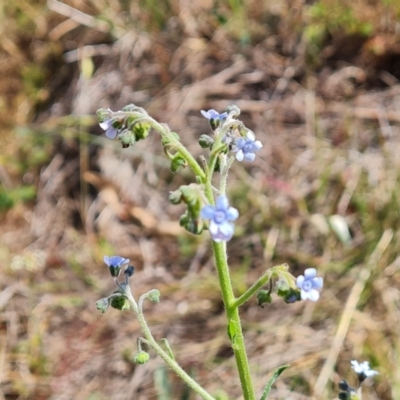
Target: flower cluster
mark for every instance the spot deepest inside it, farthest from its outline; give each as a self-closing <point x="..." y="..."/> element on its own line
<point x="245" y="147"/>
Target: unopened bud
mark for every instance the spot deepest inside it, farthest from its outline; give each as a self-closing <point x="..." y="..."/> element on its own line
<point x="102" y="305"/>
<point x="263" y="297"/>
<point x="153" y="296"/>
<point x="141" y="357"/>
<point x="120" y="303"/>
<point x="206" y="141"/>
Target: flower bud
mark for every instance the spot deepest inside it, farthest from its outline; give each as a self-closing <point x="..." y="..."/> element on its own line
<point x="282" y="287"/>
<point x="129" y="271"/>
<point x="206" y="141"/>
<point x="127" y="138"/>
<point x="175" y="197"/>
<point x="129" y="107"/>
<point x="189" y="195"/>
<point x="195" y="226"/>
<point x="141" y="130"/>
<point x="343" y="385"/>
<point x="153" y="296"/>
<point x="120" y="303"/>
<point x="141" y="357"/>
<point x="177" y="163"/>
<point x="102" y="305"/>
<point x="103" y="114"/>
<point x="292" y="296"/>
<point x="263" y="297"/>
<point x="233" y="110"/>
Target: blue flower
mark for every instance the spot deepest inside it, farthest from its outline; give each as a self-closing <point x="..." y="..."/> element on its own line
<point x="220" y="215"/>
<point x="309" y="284"/>
<point x="214" y="117"/>
<point x="245" y="147"/>
<point x="107" y="126"/>
<point x="363" y="370"/>
<point x="115" y="264"/>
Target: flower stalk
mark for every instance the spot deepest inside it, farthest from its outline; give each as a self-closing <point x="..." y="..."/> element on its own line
<point x="150" y="341"/>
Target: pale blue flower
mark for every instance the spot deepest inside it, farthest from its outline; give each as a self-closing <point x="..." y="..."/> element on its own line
<point x="115" y="264"/>
<point x="246" y="147"/>
<point x="214" y="117"/>
<point x="363" y="370"/>
<point x="221" y="228"/>
<point x="107" y="126"/>
<point x="309" y="284"/>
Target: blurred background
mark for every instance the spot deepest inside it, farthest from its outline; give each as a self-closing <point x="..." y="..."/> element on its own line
<point x="319" y="84"/>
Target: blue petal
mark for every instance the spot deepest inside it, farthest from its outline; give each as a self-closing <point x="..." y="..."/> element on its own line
<point x="207" y="212"/>
<point x="240" y="155"/>
<point x="222" y="203"/>
<point x="240" y="142"/>
<point x="105" y="124"/>
<point x="300" y="281"/>
<point x="227" y="229"/>
<point x="257" y="145"/>
<point x="317" y="282"/>
<point x="249" y="156"/>
<point x="116" y="260"/>
<point x="205" y="114"/>
<point x="111" y="132"/>
<point x="310" y="273"/>
<point x="313" y="295"/>
<point x="213" y="114"/>
<point x="213" y="228"/>
<point x="232" y="214"/>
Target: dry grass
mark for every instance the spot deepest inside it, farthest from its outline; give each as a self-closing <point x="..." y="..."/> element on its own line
<point x="331" y="132"/>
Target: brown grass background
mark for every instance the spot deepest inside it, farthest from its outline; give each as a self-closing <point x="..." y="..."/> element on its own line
<point x="318" y="82"/>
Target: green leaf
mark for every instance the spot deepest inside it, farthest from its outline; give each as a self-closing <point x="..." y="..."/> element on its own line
<point x="232" y="333"/>
<point x="272" y="380"/>
<point x="168" y="348"/>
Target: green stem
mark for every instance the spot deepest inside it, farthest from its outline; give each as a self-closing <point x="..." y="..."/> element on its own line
<point x="180" y="148"/>
<point x="252" y="290"/>
<point x="161" y="353"/>
<point x="234" y="324"/>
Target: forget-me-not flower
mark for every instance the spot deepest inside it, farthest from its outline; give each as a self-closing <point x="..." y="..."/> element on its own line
<point x="309" y="284"/>
<point x="115" y="264"/>
<point x="221" y="228"/>
<point x="246" y="147"/>
<point x="107" y="126"/>
<point x="363" y="370"/>
<point x="214" y="117"/>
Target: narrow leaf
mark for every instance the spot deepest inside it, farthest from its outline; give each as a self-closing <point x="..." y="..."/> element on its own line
<point x="272" y="380"/>
<point x="168" y="348"/>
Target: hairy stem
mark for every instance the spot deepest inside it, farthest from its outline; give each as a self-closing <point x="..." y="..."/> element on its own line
<point x="160" y="352"/>
<point x="180" y="148"/>
<point x="234" y="325"/>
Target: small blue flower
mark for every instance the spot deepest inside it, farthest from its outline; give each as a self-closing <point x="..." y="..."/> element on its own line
<point x="107" y="126"/>
<point x="220" y="215"/>
<point x="363" y="370"/>
<point x="214" y="118"/>
<point x="115" y="264"/>
<point x="245" y="147"/>
<point x="309" y="284"/>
